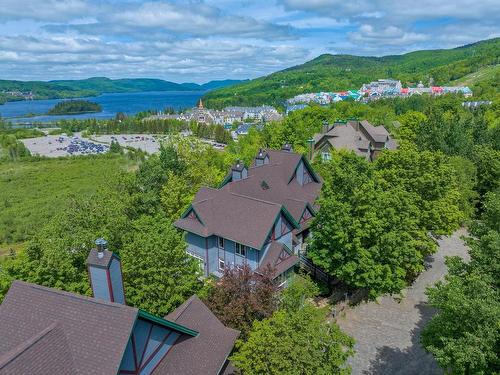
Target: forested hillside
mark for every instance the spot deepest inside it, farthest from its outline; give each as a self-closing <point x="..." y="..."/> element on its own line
<point x="343" y="72"/>
<point x="96" y="86"/>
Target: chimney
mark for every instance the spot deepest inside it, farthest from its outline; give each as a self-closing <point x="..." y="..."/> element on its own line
<point x="105" y="273"/>
<point x="262" y="158"/>
<point x="238" y="171"/>
<point x="287" y="147"/>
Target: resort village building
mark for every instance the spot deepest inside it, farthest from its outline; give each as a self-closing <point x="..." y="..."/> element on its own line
<point x="361" y="137"/>
<point x="48" y="331"/>
<point x="259" y="216"/>
<point x="228" y="115"/>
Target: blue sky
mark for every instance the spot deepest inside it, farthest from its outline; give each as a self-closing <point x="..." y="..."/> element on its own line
<point x="197" y="41"/>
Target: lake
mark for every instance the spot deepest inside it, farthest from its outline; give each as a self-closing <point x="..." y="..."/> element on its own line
<point x="128" y="103"/>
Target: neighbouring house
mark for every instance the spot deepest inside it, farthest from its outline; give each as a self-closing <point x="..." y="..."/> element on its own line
<point x="259" y="216"/>
<point x="49" y="331"/>
<point x="361" y="137"/>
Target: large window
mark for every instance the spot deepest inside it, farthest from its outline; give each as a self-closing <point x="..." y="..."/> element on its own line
<point x="221" y="243"/>
<point x="240" y="250"/>
<point x="199" y="259"/>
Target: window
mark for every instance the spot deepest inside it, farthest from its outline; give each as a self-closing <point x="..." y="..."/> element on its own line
<point x="200" y="260"/>
<point x="240" y="249"/>
<point x="221" y="264"/>
<point x="281" y="279"/>
<point x="326" y="156"/>
<point x="221" y="243"/>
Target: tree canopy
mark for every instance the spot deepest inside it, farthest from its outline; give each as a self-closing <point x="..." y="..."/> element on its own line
<point x="464" y="336"/>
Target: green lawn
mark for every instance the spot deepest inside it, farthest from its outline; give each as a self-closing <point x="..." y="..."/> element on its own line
<point x="31" y="192"/>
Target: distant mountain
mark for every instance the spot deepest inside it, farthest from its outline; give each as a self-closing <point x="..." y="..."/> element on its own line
<point x="343" y="72"/>
<point x="212" y="85"/>
<point x="98" y="85"/>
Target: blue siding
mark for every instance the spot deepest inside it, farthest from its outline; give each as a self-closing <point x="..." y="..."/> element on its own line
<point x="152" y="342"/>
<point x="286" y="240"/>
<point x="159" y="355"/>
<point x="196" y="244"/>
<point x="115" y="273"/>
<point x="99" y="281"/>
<point x="141" y="333"/>
<point x="128" y="362"/>
<point x="300" y="173"/>
<point x="212" y="254"/>
<point x="232" y="259"/>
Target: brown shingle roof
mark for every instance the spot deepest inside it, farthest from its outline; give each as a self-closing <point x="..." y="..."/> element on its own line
<point x="245" y="210"/>
<point x="96" y="332"/>
<point x="273" y="258"/>
<point x="44" y="353"/>
<point x="237" y="217"/>
<point x="203" y="354"/>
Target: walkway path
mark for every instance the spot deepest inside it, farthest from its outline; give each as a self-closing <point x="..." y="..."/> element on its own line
<point x="387" y="332"/>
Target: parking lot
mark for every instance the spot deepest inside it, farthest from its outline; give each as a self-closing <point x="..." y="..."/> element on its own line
<point x="62" y="145"/>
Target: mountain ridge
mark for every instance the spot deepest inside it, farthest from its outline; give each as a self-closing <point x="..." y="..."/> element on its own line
<point x="93" y="86"/>
<point x="343" y="72"/>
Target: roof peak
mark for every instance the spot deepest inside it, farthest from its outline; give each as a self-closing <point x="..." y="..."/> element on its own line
<point x="72" y="295"/>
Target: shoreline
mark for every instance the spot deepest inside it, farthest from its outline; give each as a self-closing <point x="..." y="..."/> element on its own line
<point x="94" y="96"/>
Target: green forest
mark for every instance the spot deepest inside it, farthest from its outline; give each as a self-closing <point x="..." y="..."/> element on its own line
<point x="98" y="85"/>
<point x="372" y="231"/>
<point x="69" y="107"/>
<point x="345" y="72"/>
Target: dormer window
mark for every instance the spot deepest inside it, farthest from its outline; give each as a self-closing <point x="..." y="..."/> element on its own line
<point x="239" y="171"/>
<point x="262" y="158"/>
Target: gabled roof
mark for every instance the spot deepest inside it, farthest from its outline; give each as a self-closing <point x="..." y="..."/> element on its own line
<point x="274" y="258"/>
<point x="347" y="136"/>
<point x="245" y="210"/>
<point x="45" y="353"/>
<point x="96" y="332"/>
<point x="203" y="354"/>
<point x="48" y="331"/>
<point x="236" y="217"/>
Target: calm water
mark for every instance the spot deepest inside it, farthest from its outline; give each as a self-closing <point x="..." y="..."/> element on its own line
<point x="129" y="103"/>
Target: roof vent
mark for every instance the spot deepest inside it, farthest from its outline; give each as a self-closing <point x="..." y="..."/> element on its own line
<point x="101" y="244"/>
<point x="264" y="185"/>
<point x="287" y="147"/>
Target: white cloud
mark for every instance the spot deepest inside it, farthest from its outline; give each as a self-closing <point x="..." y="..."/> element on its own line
<point x="211" y="39"/>
<point x="390" y="35"/>
<point x="46" y="10"/>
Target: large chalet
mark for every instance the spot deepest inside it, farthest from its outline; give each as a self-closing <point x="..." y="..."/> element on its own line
<point x="259" y="216"/>
<point x="48" y="331"/>
<point x="361" y="137"/>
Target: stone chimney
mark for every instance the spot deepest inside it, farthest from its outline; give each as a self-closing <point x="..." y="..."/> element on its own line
<point x="239" y="171"/>
<point x="105" y="273"/>
<point x="262" y="158"/>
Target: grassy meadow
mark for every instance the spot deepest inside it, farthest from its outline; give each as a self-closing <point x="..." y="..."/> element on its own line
<point x="31" y="192"/>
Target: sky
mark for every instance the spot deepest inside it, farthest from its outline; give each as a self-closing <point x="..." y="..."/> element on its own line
<point x="199" y="41"/>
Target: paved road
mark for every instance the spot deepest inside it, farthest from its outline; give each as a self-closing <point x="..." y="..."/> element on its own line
<point x="387" y="333"/>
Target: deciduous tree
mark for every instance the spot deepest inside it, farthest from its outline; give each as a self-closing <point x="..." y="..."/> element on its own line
<point x="296" y="342"/>
<point x="242" y="296"/>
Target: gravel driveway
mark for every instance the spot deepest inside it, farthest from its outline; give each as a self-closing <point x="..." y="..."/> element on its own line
<point x="387" y="332"/>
